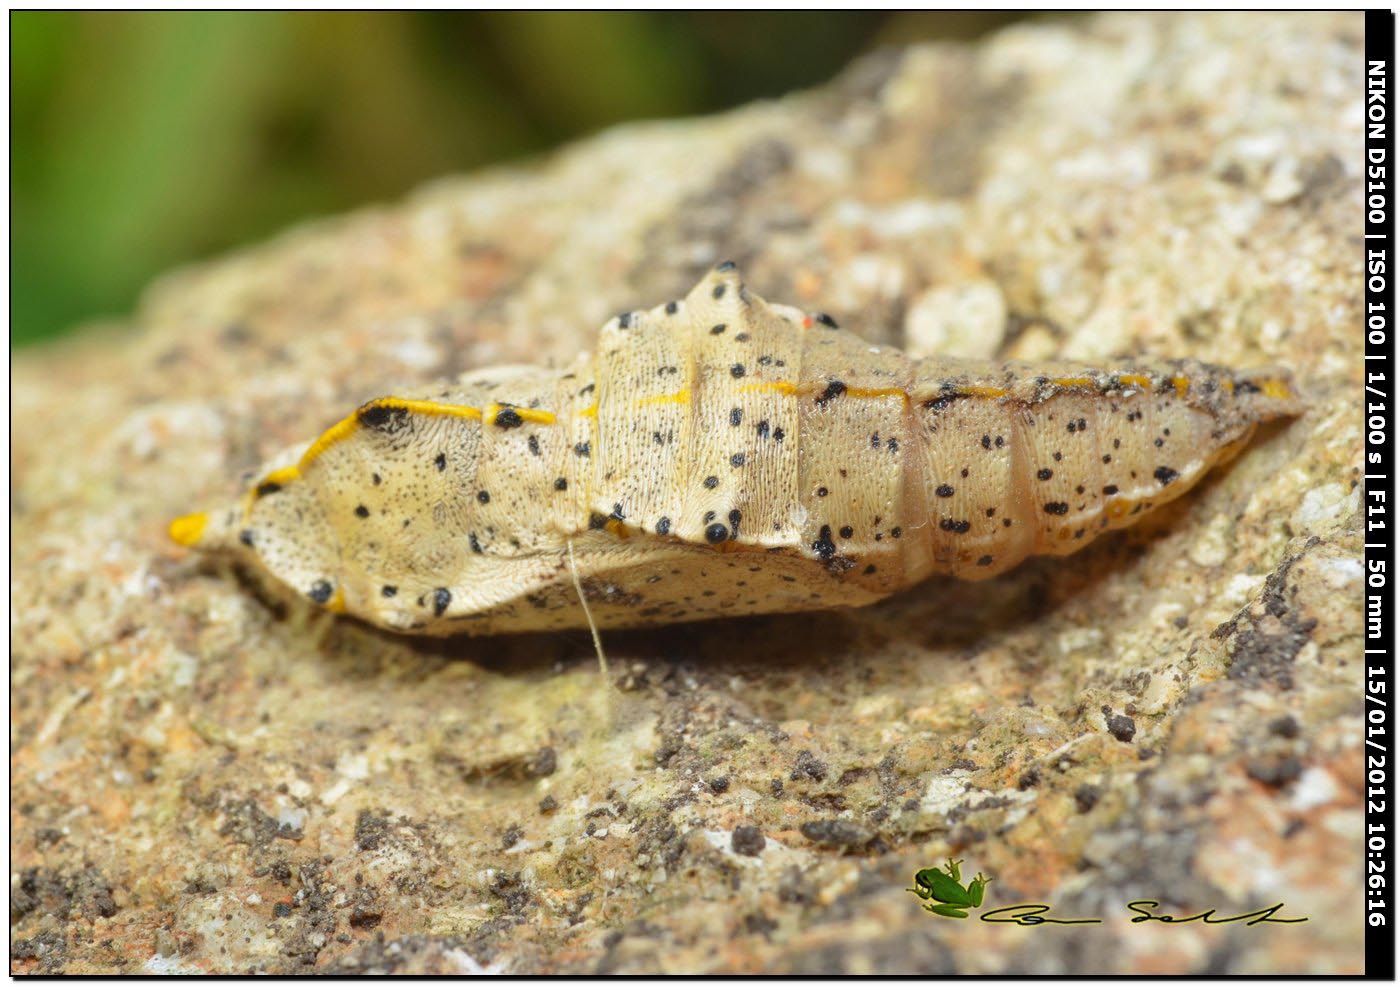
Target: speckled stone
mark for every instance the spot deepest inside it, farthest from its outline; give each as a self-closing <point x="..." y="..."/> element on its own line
<point x="206" y="777"/>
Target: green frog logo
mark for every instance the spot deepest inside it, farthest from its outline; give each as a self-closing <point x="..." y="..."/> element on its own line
<point x="943" y="890"/>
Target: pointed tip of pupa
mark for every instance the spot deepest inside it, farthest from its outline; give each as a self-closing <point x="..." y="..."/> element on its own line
<point x="188" y="529"/>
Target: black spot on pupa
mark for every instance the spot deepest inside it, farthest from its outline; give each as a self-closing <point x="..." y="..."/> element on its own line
<point x="583" y="449"/>
<point x="833" y="390"/>
<point x="716" y="330"/>
<point x="734" y="517"/>
<point x="508" y="417"/>
<point x="1044" y="474"/>
<point x="376" y="478"/>
<point x="944" y="490"/>
<point x="671" y="307"/>
<point x="711" y="482"/>
<point x="381" y="417"/>
<point x="624" y="320"/>
<point x="762" y="429"/>
<point x="716" y="533"/>
<point x="778" y="434"/>
<point x="1157" y="442"/>
<point x="824" y="319"/>
<point x="822" y="491"/>
<point x="823" y="547"/>
<point x="441" y="600"/>
<point x="896" y="532"/>
<point x="1057" y="456"/>
<point x="483" y="497"/>
<point x="1107" y="459"/>
<point x="474" y="543"/>
<point x="737" y="370"/>
<point x="1110" y="489"/>
<point x="893" y="445"/>
<point x="725" y="266"/>
<point x="718" y="292"/>
<point x="1057" y="508"/>
<point x="561" y="484"/>
<point x="321" y="591"/>
<point x="533" y="443"/>
<point x="847" y="532"/>
<point x="984" y="561"/>
<point x="1164" y="474"/>
<point x="736" y="416"/>
<point x="663" y="525"/>
<point x="986" y="441"/>
<point x="741" y="337"/>
<point x="245" y="537"/>
<point x="709" y="516"/>
<point x="388" y="591"/>
<point x="597" y="522"/>
<point x="266" y="488"/>
<point x="617" y="513"/>
<point x="440" y="461"/>
<point x="955" y="526"/>
<point x="362" y="511"/>
<point x="736" y="460"/>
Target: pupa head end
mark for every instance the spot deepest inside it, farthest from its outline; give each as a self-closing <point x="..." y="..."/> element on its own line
<point x="189" y="529"/>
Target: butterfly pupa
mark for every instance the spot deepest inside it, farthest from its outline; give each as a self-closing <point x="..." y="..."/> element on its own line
<point x="719" y="455"/>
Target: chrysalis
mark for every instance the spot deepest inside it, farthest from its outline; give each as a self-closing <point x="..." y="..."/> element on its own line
<point x="720" y="456"/>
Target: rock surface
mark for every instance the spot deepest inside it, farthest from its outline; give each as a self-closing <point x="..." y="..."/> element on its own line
<point x="204" y="779"/>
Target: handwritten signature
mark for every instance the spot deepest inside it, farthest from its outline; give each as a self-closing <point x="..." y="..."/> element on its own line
<point x="1030" y="915"/>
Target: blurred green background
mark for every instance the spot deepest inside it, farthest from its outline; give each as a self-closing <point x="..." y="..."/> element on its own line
<point x="140" y="141"/>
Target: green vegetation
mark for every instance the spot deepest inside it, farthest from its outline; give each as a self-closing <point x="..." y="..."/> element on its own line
<point x="144" y="140"/>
